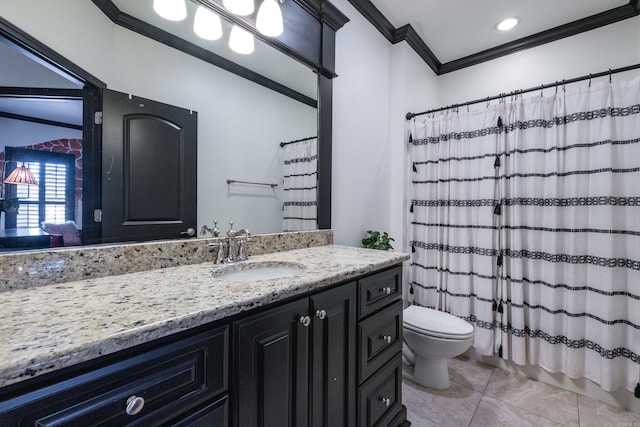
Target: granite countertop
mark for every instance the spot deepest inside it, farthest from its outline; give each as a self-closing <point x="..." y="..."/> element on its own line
<point x="50" y="327"/>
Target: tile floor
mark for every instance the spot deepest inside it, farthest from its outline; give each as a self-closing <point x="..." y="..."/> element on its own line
<point x="483" y="396"/>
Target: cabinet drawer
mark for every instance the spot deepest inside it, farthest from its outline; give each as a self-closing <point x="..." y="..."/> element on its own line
<point x="215" y="414"/>
<point x="169" y="380"/>
<point x="378" y="290"/>
<point x="380" y="338"/>
<point x="380" y="398"/>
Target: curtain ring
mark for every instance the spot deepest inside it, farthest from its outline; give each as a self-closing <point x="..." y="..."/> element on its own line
<point x="564" y="88"/>
<point x="609" y="75"/>
<point x="556" y="87"/>
<point x="589" y="79"/>
<point x="488" y="102"/>
<point x="541" y="90"/>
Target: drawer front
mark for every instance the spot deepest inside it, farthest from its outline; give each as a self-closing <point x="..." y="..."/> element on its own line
<point x="215" y="414"/>
<point x="380" y="338"/>
<point x="165" y="382"/>
<point x="378" y="290"/>
<point x="380" y="398"/>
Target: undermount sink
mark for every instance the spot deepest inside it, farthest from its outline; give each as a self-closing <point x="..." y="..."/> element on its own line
<point x="254" y="271"/>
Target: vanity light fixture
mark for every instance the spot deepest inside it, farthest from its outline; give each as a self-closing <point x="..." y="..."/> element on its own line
<point x="508" y="24"/>
<point x="241" y="41"/>
<point x="173" y="10"/>
<point x="269" y="20"/>
<point x="206" y="24"/>
<point x="239" y="7"/>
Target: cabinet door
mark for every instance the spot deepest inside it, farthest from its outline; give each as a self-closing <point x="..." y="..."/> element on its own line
<point x="271" y="369"/>
<point x="333" y="357"/>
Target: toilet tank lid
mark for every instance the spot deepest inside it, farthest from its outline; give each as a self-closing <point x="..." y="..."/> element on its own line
<point x="437" y="321"/>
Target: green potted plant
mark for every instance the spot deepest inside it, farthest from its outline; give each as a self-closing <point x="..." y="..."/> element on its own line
<point x="377" y="240"/>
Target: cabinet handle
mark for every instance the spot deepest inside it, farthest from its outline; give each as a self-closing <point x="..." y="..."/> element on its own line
<point x="385" y="401"/>
<point x="387" y="338"/>
<point x="134" y="405"/>
<point x="305" y="320"/>
<point x="321" y="314"/>
<point x="386" y="290"/>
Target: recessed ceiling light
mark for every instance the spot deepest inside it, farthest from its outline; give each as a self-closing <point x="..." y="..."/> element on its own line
<point x="507" y="24"/>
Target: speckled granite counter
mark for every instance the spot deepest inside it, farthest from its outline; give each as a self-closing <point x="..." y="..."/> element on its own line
<point x="50" y="327"/>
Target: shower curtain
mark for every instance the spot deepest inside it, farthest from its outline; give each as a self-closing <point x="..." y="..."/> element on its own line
<point x="300" y="174"/>
<point x="526" y="222"/>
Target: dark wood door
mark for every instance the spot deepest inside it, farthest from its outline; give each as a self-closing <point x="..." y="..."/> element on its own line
<point x="149" y="172"/>
<point x="333" y="388"/>
<point x="271" y="369"/>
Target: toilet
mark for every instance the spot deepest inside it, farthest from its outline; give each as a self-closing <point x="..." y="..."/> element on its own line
<point x="430" y="338"/>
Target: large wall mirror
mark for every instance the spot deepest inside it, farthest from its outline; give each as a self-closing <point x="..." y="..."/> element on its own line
<point x="246" y="105"/>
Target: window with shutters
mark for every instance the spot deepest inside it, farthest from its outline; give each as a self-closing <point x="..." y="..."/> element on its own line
<point x="52" y="200"/>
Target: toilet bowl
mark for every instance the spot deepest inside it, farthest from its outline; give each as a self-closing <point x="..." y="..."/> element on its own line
<point x="430" y="338"/>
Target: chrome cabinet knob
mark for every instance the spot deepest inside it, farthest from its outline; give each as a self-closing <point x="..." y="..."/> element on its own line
<point x="385" y="401"/>
<point x="321" y="314"/>
<point x="387" y="290"/>
<point x="387" y="338"/>
<point x="305" y="320"/>
<point x="134" y="405"/>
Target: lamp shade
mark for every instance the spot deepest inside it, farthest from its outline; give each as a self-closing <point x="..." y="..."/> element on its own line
<point x="173" y="10"/>
<point x="21" y="175"/>
<point x="269" y="20"/>
<point x="207" y="24"/>
<point x="241" y="41"/>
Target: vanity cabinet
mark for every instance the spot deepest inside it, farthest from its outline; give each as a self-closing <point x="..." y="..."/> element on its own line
<point x="380" y="350"/>
<point x="185" y="380"/>
<point x="295" y="364"/>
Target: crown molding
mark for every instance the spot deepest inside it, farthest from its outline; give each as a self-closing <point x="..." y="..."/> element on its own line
<point x="407" y="33"/>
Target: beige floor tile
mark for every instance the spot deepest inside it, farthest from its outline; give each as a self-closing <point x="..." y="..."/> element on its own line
<point x="594" y="413"/>
<point x="555" y="403"/>
<point x="469" y="373"/>
<point x="418" y="421"/>
<point x="452" y="407"/>
<point x="495" y="413"/>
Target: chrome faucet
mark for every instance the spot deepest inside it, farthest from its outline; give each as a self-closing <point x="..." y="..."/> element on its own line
<point x="213" y="230"/>
<point x="237" y="250"/>
<point x="236" y="247"/>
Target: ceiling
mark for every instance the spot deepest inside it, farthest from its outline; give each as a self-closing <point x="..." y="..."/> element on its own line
<point x="453" y="34"/>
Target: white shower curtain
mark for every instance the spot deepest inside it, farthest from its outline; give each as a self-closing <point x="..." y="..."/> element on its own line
<point x="526" y="222"/>
<point x="300" y="175"/>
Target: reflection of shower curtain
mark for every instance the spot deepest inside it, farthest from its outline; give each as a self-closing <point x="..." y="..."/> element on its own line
<point x="300" y="173"/>
<point x="526" y="222"/>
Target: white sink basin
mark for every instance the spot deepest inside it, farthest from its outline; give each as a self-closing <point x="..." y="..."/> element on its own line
<point x="251" y="272"/>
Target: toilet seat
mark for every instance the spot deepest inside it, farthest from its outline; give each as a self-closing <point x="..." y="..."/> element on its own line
<point x="436" y="323"/>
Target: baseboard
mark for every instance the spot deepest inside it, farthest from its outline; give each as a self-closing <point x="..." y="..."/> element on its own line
<point x="620" y="398"/>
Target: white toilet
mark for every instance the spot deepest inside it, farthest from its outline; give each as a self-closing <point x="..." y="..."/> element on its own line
<point x="430" y="338"/>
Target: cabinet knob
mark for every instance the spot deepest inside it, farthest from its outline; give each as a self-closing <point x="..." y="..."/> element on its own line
<point x="305" y="320"/>
<point x="321" y="314"/>
<point x="387" y="290"/>
<point x="134" y="405"/>
<point x="385" y="401"/>
<point x="387" y="338"/>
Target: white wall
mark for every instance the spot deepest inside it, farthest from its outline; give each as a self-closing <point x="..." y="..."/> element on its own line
<point x="371" y="95"/>
<point x="236" y="139"/>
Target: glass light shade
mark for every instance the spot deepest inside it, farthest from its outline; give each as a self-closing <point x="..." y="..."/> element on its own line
<point x="241" y="41"/>
<point x="173" y="10"/>
<point x="269" y="21"/>
<point x="206" y="24"/>
<point x="239" y="7"/>
<point x="21" y="175"/>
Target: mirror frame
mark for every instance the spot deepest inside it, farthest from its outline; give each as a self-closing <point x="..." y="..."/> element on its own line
<point x="317" y="19"/>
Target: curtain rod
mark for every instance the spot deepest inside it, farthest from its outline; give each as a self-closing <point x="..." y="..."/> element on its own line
<point x="282" y="144"/>
<point x="409" y="116"/>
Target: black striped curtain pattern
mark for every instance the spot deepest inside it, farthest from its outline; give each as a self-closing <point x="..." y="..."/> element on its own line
<point x="526" y="222"/>
<point x="300" y="174"/>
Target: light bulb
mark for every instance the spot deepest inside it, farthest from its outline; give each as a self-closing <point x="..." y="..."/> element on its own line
<point x="241" y="41"/>
<point x="206" y="24"/>
<point x="239" y="7"/>
<point x="269" y="21"/>
<point x="173" y="10"/>
<point x="507" y="24"/>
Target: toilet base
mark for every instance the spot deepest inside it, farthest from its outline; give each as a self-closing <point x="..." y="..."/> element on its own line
<point x="433" y="373"/>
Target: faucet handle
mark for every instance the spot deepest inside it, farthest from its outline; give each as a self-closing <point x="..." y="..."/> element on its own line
<point x="215" y="232"/>
<point x="231" y="231"/>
